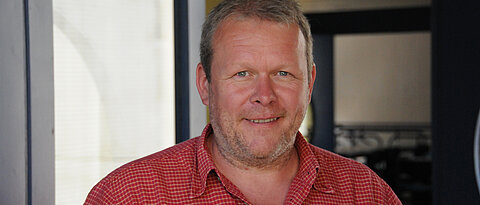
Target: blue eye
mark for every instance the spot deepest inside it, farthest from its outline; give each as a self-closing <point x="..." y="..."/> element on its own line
<point x="283" y="73"/>
<point x="242" y="73"/>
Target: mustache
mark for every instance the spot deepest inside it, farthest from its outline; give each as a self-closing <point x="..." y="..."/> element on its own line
<point x="262" y="113"/>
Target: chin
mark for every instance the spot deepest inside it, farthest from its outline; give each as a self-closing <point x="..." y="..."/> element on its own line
<point x="273" y="150"/>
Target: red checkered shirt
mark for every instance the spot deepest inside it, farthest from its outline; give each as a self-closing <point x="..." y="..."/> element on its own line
<point x="186" y="174"/>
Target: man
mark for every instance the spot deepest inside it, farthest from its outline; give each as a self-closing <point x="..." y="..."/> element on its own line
<point x="256" y="77"/>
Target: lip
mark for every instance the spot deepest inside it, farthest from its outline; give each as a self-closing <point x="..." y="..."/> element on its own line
<point x="261" y="121"/>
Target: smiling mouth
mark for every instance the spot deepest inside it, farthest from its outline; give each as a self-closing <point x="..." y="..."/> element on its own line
<point x="264" y="120"/>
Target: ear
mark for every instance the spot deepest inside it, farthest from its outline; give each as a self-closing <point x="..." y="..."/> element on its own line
<point x="202" y="84"/>
<point x="312" y="76"/>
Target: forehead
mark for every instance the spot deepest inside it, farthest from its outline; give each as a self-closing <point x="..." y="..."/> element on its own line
<point x="238" y="29"/>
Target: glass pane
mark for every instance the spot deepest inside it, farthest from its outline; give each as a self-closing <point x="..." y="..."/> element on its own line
<point x="114" y="88"/>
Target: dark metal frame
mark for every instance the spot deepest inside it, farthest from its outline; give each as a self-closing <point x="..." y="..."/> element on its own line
<point x="28" y="102"/>
<point x="182" y="109"/>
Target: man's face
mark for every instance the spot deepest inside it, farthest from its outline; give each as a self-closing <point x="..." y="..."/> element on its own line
<point x="259" y="89"/>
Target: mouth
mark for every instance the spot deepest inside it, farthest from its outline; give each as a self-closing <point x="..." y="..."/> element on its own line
<point x="262" y="121"/>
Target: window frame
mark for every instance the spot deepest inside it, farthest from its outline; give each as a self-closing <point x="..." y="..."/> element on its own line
<point x="29" y="141"/>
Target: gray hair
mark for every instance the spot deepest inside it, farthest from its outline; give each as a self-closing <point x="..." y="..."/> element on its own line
<point x="281" y="11"/>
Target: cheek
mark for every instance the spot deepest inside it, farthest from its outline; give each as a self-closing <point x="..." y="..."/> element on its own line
<point x="293" y="98"/>
<point x="231" y="97"/>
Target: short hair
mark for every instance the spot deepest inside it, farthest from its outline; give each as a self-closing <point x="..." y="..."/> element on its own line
<point x="281" y="11"/>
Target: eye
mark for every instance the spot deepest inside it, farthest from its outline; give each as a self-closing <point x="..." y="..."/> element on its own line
<point x="283" y="73"/>
<point x="242" y="74"/>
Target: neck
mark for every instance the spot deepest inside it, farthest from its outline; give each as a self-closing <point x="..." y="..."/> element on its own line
<point x="285" y="166"/>
<point x="222" y="159"/>
<point x="260" y="185"/>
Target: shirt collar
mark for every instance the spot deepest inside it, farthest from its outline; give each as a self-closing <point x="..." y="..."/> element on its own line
<point x="204" y="164"/>
<point x="323" y="169"/>
<point x="308" y="164"/>
<point x="323" y="183"/>
<point x="311" y="169"/>
<point x="314" y="168"/>
<point x="311" y="166"/>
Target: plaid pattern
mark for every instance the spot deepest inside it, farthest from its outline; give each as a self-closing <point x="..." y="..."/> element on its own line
<point x="185" y="174"/>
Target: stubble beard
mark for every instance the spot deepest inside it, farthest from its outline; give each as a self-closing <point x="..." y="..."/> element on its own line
<point x="234" y="148"/>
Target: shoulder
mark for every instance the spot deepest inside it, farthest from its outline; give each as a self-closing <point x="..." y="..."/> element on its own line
<point x="146" y="174"/>
<point x="337" y="162"/>
<point x="352" y="178"/>
<point x="341" y="168"/>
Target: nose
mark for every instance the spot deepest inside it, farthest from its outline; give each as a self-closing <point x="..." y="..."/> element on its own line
<point x="264" y="93"/>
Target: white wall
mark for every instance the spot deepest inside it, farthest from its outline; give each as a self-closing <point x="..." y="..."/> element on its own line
<point x="382" y="78"/>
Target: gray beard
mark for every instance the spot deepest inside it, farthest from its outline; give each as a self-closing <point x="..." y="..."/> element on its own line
<point x="233" y="148"/>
